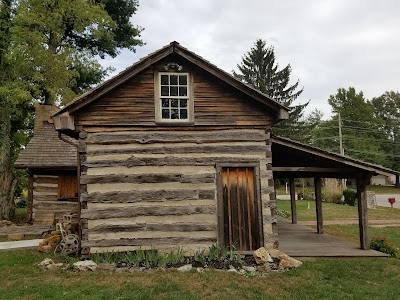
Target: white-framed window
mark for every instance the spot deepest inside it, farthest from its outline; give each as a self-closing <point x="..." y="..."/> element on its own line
<point x="174" y="100"/>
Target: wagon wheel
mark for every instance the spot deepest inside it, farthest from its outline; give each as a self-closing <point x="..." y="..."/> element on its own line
<point x="70" y="244"/>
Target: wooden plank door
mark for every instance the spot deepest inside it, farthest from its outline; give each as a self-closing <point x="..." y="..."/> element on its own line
<point x="242" y="227"/>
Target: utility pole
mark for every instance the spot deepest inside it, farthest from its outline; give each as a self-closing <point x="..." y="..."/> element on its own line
<point x="341" y="146"/>
<point x="340" y="135"/>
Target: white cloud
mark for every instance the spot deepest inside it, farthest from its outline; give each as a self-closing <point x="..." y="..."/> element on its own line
<point x="329" y="44"/>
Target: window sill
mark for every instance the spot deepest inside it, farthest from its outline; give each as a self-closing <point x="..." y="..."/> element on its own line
<point x="174" y="123"/>
<point x="68" y="199"/>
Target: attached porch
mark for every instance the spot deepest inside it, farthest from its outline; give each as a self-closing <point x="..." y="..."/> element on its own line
<point x="302" y="241"/>
<point x="291" y="160"/>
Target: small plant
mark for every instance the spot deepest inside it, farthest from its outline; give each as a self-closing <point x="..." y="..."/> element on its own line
<point x="349" y="197"/>
<point x="140" y="254"/>
<point x="383" y="245"/>
<point x="131" y="257"/>
<point x="214" y="252"/>
<point x="283" y="213"/>
<point x="200" y="256"/>
<point x="162" y="260"/>
<point x="175" y="257"/>
<point x="23" y="202"/>
<point x="232" y="255"/>
<point x="151" y="259"/>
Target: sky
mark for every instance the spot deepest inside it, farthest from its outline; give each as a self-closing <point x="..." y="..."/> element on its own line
<point x="329" y="43"/>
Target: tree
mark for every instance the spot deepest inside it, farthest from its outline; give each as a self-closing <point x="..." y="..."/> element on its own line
<point x="48" y="54"/>
<point x="260" y="70"/>
<point x="360" y="128"/>
<point x="387" y="110"/>
<point x="57" y="43"/>
<point x="12" y="98"/>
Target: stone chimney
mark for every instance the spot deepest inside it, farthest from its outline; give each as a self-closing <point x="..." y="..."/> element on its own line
<point x="43" y="114"/>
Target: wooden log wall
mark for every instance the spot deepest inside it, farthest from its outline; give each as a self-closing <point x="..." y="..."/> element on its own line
<point x="46" y="207"/>
<point x="215" y="103"/>
<point x="158" y="189"/>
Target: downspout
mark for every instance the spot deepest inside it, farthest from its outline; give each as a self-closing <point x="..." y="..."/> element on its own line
<point x="78" y="171"/>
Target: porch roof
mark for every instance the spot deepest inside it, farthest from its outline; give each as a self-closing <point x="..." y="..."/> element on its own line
<point x="292" y="159"/>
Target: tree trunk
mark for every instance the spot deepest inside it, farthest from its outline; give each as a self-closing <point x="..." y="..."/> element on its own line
<point x="7" y="181"/>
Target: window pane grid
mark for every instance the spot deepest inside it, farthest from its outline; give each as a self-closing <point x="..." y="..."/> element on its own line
<point x="173" y="96"/>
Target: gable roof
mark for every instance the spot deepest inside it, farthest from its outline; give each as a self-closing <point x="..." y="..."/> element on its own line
<point x="327" y="156"/>
<point x="46" y="151"/>
<point x="154" y="57"/>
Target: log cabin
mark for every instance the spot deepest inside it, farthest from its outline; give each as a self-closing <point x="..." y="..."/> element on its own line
<point x="175" y="152"/>
<point x="52" y="169"/>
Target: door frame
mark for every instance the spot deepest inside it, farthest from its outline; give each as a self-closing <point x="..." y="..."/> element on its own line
<point x="220" y="200"/>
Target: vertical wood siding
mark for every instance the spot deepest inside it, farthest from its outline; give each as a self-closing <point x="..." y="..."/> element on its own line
<point x="241" y="211"/>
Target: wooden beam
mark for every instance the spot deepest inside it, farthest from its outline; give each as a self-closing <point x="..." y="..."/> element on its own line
<point x="318" y="204"/>
<point x="362" y="183"/>
<point x="328" y="155"/>
<point x="312" y="169"/>
<point x="293" y="201"/>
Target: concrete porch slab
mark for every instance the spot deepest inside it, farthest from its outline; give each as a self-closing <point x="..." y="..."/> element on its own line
<point x="301" y="241"/>
<point x="19" y="245"/>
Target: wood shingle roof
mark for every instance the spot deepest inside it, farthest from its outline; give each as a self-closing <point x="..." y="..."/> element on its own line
<point x="46" y="151"/>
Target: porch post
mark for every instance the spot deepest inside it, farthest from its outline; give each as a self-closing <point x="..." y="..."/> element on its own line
<point x="398" y="181"/>
<point x="293" y="201"/>
<point x="363" y="210"/>
<point x="318" y="204"/>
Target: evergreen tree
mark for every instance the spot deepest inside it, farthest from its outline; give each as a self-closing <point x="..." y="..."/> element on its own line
<point x="260" y="70"/>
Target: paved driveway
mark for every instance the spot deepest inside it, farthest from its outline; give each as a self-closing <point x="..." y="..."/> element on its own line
<point x="382" y="200"/>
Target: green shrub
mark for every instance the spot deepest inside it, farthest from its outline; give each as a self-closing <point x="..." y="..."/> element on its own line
<point x="383" y="245"/>
<point x="22" y="202"/>
<point x="283" y="213"/>
<point x="349" y="197"/>
<point x="332" y="197"/>
<point x="309" y="196"/>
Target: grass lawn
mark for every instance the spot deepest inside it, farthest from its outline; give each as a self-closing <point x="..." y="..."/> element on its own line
<point x="350" y="232"/>
<point x="378" y="189"/>
<point x="320" y="279"/>
<point x="21" y="215"/>
<point x="332" y="211"/>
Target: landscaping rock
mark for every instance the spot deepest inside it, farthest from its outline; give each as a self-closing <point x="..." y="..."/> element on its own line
<point x="249" y="269"/>
<point x="86" y="265"/>
<point x="232" y="270"/>
<point x="200" y="270"/>
<point x="274" y="253"/>
<point x="265" y="268"/>
<point x="15" y="236"/>
<point x="262" y="256"/>
<point x="6" y="223"/>
<point x="106" y="267"/>
<point x="287" y="262"/>
<point x="185" y="268"/>
<point x="49" y="264"/>
<point x="55" y="266"/>
<point x="122" y="270"/>
<point x="45" y="262"/>
<point x="136" y="269"/>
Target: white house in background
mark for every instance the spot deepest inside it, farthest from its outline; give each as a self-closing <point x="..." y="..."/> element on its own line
<point x="383" y="180"/>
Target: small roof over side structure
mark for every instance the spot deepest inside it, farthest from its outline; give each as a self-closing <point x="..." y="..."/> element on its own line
<point x="46" y="151"/>
<point x="292" y="159"/>
<point x="64" y="118"/>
